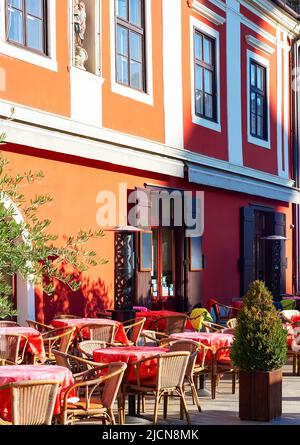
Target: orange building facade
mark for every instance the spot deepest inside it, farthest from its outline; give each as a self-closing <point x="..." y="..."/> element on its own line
<point x="161" y="96"/>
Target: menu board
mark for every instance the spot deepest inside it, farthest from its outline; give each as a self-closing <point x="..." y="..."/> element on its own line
<point x="196" y="257"/>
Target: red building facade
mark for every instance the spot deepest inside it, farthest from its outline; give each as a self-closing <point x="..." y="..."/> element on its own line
<point x="175" y="96"/>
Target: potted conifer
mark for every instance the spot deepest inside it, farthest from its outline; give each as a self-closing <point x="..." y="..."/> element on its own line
<point x="259" y="351"/>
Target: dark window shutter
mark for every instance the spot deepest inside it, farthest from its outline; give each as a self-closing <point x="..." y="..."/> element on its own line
<point x="247" y="262"/>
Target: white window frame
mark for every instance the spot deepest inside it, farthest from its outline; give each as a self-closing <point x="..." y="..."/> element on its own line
<point x="9" y="49"/>
<point x="266" y="64"/>
<point x="147" y="96"/>
<point x="198" y="25"/>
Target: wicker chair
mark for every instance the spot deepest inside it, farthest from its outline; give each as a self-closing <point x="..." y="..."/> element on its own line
<point x="133" y="329"/>
<point x="100" y="406"/>
<point x="174" y="325"/>
<point x="32" y="401"/>
<point x="171" y="371"/>
<point x="222" y="312"/>
<point x="104" y="314"/>
<point x="8" y="324"/>
<point x="65" y="316"/>
<point x="59" y="339"/>
<point x="103" y="332"/>
<point x="77" y="365"/>
<point x="12" y="349"/>
<point x="39" y="326"/>
<point x="219" y="367"/>
<point x="212" y="327"/>
<point x="232" y="323"/>
<point x="87" y="347"/>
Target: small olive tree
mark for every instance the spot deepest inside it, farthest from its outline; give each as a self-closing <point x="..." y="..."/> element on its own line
<point x="26" y="246"/>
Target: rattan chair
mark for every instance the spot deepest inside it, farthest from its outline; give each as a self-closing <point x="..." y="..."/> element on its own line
<point x="77" y="365"/>
<point x="65" y="316"/>
<point x="133" y="329"/>
<point x="174" y="325"/>
<point x="12" y="349"/>
<point x="219" y="367"/>
<point x="171" y="371"/>
<point x="149" y="338"/>
<point x="212" y="327"/>
<point x="103" y="332"/>
<point x="232" y="323"/>
<point x="8" y="324"/>
<point x="59" y="339"/>
<point x="101" y="405"/>
<point x="104" y="314"/>
<point x="86" y="348"/>
<point x="39" y="326"/>
<point x="32" y="401"/>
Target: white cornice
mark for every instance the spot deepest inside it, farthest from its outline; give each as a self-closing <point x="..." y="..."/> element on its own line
<point x="258" y="44"/>
<point x="38" y="128"/>
<point x="219" y="4"/>
<point x="267" y="9"/>
<point x="207" y="13"/>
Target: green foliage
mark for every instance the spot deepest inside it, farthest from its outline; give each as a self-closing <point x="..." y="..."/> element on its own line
<point x="28" y="248"/>
<point x="260" y="340"/>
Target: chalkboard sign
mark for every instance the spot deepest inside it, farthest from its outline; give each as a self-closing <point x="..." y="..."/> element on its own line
<point x="146" y="251"/>
<point x="196" y="257"/>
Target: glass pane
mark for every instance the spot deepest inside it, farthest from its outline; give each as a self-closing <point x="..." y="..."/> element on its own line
<point x="136" y="75"/>
<point x="199" y="102"/>
<point x="122" y="69"/>
<point x="207" y="51"/>
<point x="253" y="123"/>
<point x="253" y="102"/>
<point x="15" y="26"/>
<point x="15" y="3"/>
<point x="122" y="9"/>
<point x="252" y="74"/>
<point x="199" y="78"/>
<point x="198" y="46"/>
<point x="122" y="41"/>
<point x="208" y="82"/>
<point x="154" y="275"/>
<point x="260" y="78"/>
<point x="260" y="127"/>
<point x="34" y="33"/>
<point x="167" y="262"/>
<point x="135" y="12"/>
<point x="260" y="105"/>
<point x="208" y="106"/>
<point x="34" y="7"/>
<point x="135" y="46"/>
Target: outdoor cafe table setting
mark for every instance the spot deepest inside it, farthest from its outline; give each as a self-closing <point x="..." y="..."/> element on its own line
<point x="35" y="345"/>
<point x="152" y="316"/>
<point x="12" y="373"/>
<point x="121" y="336"/>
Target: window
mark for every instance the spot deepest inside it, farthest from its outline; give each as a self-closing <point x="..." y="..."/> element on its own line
<point x="130" y="58"/>
<point x="205" y="76"/>
<point x="258" y="100"/>
<point x="26" y="24"/>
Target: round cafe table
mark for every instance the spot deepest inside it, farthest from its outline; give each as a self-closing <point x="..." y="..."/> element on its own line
<point x="9" y="374"/>
<point x="35" y="345"/>
<point x="121" y="336"/>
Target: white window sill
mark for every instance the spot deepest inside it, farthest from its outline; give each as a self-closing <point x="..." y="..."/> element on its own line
<point x="9" y="49"/>
<point x="259" y="142"/>
<point x="215" y="126"/>
<point x="132" y="93"/>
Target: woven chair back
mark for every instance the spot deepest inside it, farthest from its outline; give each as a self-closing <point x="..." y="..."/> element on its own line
<point x="171" y="369"/>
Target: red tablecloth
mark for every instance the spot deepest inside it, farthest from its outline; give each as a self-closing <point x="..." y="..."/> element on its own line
<point x="35" y="344"/>
<point x="79" y="322"/>
<point x="129" y="355"/>
<point x="213" y="340"/>
<point x="9" y="374"/>
<point x="154" y="315"/>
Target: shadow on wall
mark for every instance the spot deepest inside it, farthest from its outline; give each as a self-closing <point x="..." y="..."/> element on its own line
<point x="93" y="296"/>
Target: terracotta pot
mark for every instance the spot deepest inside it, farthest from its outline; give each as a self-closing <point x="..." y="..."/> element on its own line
<point x="260" y="395"/>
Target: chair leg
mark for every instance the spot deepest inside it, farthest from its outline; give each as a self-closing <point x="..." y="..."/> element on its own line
<point x="294" y="364"/>
<point x="195" y="395"/>
<point x="157" y="396"/>
<point x="143" y="404"/>
<point x="213" y="385"/>
<point x="298" y="365"/>
<point x="166" y="399"/>
<point x="233" y="381"/>
<point x="184" y="405"/>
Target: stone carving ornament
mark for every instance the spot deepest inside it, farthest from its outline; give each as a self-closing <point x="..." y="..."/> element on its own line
<point x="79" y="12"/>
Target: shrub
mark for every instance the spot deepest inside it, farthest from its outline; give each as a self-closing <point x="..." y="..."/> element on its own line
<point x="260" y="340"/>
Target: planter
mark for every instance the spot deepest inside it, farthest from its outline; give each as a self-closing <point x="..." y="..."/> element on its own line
<point x="260" y="395"/>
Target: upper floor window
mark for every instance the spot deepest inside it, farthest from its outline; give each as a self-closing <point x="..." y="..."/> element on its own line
<point x="26" y="24"/>
<point x="130" y="37"/>
<point x="258" y="100"/>
<point x="205" y="76"/>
